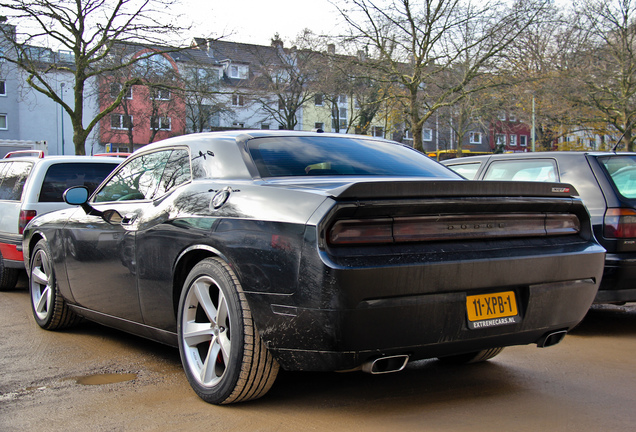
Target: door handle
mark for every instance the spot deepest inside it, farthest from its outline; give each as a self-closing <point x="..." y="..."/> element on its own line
<point x="129" y="219"/>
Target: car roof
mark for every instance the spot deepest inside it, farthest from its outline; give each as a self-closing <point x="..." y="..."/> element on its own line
<point x="246" y="134"/>
<point x="61" y="159"/>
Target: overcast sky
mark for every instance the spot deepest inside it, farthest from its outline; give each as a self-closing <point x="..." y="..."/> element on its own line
<point x="256" y="21"/>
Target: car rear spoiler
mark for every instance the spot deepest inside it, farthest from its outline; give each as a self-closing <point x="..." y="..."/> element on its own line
<point x="453" y="188"/>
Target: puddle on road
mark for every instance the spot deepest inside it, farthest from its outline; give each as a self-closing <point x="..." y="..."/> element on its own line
<point x="107" y="378"/>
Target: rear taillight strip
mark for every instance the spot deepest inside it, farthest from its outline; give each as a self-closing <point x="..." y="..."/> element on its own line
<point x="451" y="227"/>
<point x="619" y="223"/>
<point x="25" y="218"/>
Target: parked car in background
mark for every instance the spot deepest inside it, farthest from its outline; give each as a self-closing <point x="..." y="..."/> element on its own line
<point x="606" y="182"/>
<point x="256" y="250"/>
<point x="33" y="185"/>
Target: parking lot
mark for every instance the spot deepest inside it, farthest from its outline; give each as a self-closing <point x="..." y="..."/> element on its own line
<point x="68" y="381"/>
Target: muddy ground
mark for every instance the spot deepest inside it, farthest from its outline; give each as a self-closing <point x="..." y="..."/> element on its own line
<point x="67" y="381"/>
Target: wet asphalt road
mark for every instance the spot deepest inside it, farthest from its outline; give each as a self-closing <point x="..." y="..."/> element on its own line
<point x="64" y="381"/>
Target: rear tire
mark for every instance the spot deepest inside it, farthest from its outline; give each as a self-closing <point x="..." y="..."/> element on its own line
<point x="223" y="356"/>
<point x="475" y="357"/>
<point x="8" y="276"/>
<point x="48" y="306"/>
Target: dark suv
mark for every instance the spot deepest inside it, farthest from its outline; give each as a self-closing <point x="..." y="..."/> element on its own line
<point x="606" y="182"/>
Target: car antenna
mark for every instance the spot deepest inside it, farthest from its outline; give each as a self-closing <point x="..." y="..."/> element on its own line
<point x="620" y="139"/>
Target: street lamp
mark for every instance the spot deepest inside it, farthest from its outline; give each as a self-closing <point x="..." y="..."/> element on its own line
<point x="533" y="127"/>
<point x="533" y="135"/>
<point x="62" y="111"/>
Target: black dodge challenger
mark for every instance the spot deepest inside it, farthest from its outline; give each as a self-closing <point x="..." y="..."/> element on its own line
<point x="258" y="250"/>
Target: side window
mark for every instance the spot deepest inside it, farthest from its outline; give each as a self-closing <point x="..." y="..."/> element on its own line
<point x="62" y="176"/>
<point x="14" y="177"/>
<point x="136" y="179"/>
<point x="177" y="171"/>
<point x="468" y="170"/>
<point x="542" y="170"/>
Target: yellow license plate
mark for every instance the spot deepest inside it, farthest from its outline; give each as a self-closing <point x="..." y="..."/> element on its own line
<point x="489" y="310"/>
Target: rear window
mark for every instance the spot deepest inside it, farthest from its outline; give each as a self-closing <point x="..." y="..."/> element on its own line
<point x="468" y="170"/>
<point x="13" y="176"/>
<point x="622" y="171"/>
<point x="335" y="156"/>
<point x="62" y="176"/>
<point x="541" y="170"/>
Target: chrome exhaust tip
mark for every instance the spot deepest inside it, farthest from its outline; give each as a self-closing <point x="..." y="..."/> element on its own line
<point x="551" y="339"/>
<point x="387" y="364"/>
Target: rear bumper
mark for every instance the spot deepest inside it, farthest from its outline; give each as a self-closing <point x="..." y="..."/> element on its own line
<point x="420" y="310"/>
<point x="11" y="250"/>
<point x="429" y="326"/>
<point x="619" y="279"/>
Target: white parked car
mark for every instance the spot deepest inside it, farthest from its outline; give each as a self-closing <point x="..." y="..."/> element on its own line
<point x="31" y="186"/>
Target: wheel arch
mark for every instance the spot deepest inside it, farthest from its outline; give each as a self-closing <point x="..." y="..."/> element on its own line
<point x="35" y="238"/>
<point x="185" y="262"/>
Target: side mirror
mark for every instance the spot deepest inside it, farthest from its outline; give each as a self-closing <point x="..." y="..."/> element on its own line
<point x="77" y="195"/>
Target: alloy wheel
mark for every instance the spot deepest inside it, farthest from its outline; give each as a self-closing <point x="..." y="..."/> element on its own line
<point x="206" y="335"/>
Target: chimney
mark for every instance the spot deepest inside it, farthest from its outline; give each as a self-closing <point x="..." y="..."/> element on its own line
<point x="331" y="49"/>
<point x="277" y="42"/>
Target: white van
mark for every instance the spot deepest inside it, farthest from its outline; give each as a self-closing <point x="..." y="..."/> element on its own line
<point x="31" y="186"/>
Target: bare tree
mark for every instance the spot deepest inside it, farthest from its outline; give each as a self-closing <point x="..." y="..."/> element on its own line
<point x="283" y="78"/>
<point x="88" y="30"/>
<point x="603" y="75"/>
<point x="203" y="96"/>
<point x="417" y="43"/>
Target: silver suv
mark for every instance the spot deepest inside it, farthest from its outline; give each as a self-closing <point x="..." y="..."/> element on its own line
<point x="31" y="186"/>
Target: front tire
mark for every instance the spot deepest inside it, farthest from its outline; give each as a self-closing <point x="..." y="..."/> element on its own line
<point x="49" y="308"/>
<point x="223" y="356"/>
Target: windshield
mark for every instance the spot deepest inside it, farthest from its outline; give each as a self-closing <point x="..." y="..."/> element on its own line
<point x="336" y="156"/>
<point x="622" y="171"/>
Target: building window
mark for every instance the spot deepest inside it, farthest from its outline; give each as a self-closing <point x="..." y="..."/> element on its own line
<point x="3" y="88"/>
<point x="475" y="137"/>
<point x="523" y="140"/>
<point x="512" y="117"/>
<point x="238" y="125"/>
<point x="120" y="121"/>
<point x="319" y="125"/>
<point x="160" y="123"/>
<point x="513" y="140"/>
<point x="501" y="115"/>
<point x="3" y="122"/>
<point x="427" y="134"/>
<point x="318" y="99"/>
<point x="339" y="119"/>
<point x="500" y="139"/>
<point x="159" y="94"/>
<point x="238" y="100"/>
<point x="377" y="131"/>
<point x="115" y="88"/>
<point x="238" y="71"/>
<point x="115" y="149"/>
<point x="264" y="126"/>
